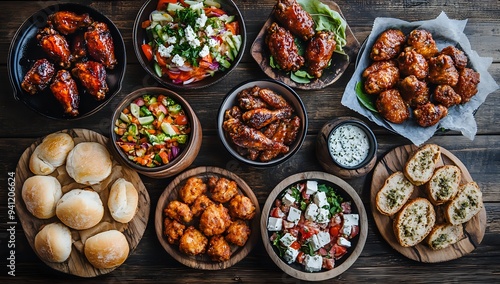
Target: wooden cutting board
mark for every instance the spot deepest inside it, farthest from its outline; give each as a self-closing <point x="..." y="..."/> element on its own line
<point x="77" y="264"/>
<point x="474" y="230"/>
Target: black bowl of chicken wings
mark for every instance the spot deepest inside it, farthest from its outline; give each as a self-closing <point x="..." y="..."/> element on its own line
<point x="66" y="61"/>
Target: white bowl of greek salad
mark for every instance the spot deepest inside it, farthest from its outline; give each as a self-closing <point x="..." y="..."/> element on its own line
<point x="314" y="226"/>
<point x="189" y="44"/>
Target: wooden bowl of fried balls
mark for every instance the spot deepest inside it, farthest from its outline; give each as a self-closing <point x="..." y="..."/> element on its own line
<point x="409" y="75"/>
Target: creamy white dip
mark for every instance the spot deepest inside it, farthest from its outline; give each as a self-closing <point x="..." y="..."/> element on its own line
<point x="349" y="145"/>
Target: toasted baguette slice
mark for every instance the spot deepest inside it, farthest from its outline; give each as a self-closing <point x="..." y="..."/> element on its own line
<point x="414" y="222"/>
<point x="444" y="235"/>
<point x="396" y="190"/>
<point x="421" y="165"/>
<point x="465" y="205"/>
<point x="444" y="184"/>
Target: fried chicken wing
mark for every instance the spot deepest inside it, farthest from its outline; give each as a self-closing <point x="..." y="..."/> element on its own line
<point x="173" y="230"/>
<point x="283" y="48"/>
<point x="467" y="84"/>
<point x="442" y="71"/>
<point x="413" y="63"/>
<point x="222" y="189"/>
<point x="380" y="76"/>
<point x="92" y="75"/>
<point x="241" y="207"/>
<point x="192" y="189"/>
<point x="446" y="96"/>
<point x="422" y="42"/>
<point x="78" y="46"/>
<point x="294" y="18"/>
<point x="319" y="51"/>
<point x="392" y="107"/>
<point x="458" y="56"/>
<point x="100" y="44"/>
<point x="413" y="91"/>
<point x="178" y="211"/>
<point x="249" y="99"/>
<point x="388" y="45"/>
<point x="273" y="99"/>
<point x="238" y="233"/>
<point x="64" y="89"/>
<point x="261" y="117"/>
<point x="284" y="132"/>
<point x="38" y="77"/>
<point x="56" y="46"/>
<point x="429" y="114"/>
<point x="218" y="249"/>
<point x="251" y="138"/>
<point x="67" y="22"/>
<point x="200" y="204"/>
<point x="214" y="220"/>
<point x="193" y="242"/>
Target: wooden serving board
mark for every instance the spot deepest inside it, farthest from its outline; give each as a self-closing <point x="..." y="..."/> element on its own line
<point x="474" y="230"/>
<point x="203" y="261"/>
<point x="77" y="264"/>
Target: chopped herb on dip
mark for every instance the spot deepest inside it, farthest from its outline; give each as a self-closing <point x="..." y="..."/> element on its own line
<point x="348" y="145"/>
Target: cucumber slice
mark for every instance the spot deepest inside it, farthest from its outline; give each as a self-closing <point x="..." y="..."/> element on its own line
<point x="124" y="118"/>
<point x="135" y="109"/>
<point x="146" y="120"/>
<point x="158" y="69"/>
<point x="172" y="7"/>
<point x="167" y="129"/>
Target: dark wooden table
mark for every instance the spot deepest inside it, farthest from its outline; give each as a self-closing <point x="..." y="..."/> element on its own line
<point x="20" y="127"/>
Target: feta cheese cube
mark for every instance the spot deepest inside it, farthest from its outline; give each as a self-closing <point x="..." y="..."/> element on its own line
<point x="197" y="6"/>
<point x="189" y="33"/>
<point x="322" y="216"/>
<point x="290" y="255"/>
<point x="323" y="238"/>
<point x="351" y="220"/>
<point x="315" y="244"/>
<point x="293" y="215"/>
<point x="287" y="239"/>
<point x="311" y="212"/>
<point x="274" y="224"/>
<point x="341" y="241"/>
<point x="204" y="51"/>
<point x="288" y="199"/>
<point x="171" y="40"/>
<point x="165" y="51"/>
<point x="195" y="42"/>
<point x="209" y="30"/>
<point x="346" y="230"/>
<point x="320" y="199"/>
<point x="313" y="263"/>
<point x="311" y="187"/>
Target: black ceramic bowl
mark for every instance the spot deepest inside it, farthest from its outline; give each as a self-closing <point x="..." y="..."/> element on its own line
<point x="24" y="51"/>
<point x="139" y="37"/>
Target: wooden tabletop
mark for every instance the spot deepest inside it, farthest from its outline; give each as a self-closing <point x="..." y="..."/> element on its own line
<point x="379" y="262"/>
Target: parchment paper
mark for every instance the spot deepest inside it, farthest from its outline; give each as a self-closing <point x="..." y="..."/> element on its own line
<point x="445" y="32"/>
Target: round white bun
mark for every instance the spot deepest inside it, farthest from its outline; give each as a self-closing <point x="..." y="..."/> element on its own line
<point x="40" y="195"/>
<point x="51" y="153"/>
<point x="122" y="201"/>
<point x="107" y="249"/>
<point x="80" y="209"/>
<point x="89" y="163"/>
<point x="53" y="243"/>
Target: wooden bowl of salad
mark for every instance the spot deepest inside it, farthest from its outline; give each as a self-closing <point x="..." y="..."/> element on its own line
<point x="189" y="44"/>
<point x="314" y="226"/>
<point x="155" y="132"/>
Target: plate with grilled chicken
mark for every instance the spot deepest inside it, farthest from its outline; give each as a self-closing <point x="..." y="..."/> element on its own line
<point x="66" y="61"/>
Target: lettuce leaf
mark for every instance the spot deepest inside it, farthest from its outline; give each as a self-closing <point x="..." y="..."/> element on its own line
<point x="365" y="99"/>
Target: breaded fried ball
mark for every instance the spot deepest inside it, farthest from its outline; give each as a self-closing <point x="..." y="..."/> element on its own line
<point x="179" y="211"/>
<point x="173" y="230"/>
<point x="193" y="242"/>
<point x="214" y="220"/>
<point x="200" y="204"/>
<point x="241" y="207"/>
<point x="238" y="233"/>
<point x="193" y="188"/>
<point x="218" y="249"/>
<point x="222" y="189"/>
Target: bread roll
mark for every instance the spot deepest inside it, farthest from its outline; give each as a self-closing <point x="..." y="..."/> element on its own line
<point x="122" y="201"/>
<point x="395" y="192"/>
<point x="107" y="249"/>
<point x="89" y="163"/>
<point x="466" y="204"/>
<point x="51" y="153"/>
<point x="40" y="195"/>
<point x="444" y="235"/>
<point x="444" y="184"/>
<point x="80" y="209"/>
<point x="414" y="222"/>
<point x="53" y="243"/>
<point x="421" y="165"/>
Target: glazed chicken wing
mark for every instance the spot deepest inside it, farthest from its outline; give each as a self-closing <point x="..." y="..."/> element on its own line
<point x="193" y="242"/>
<point x="467" y="84"/>
<point x="214" y="220"/>
<point x="422" y="42"/>
<point x="446" y="96"/>
<point x="78" y="47"/>
<point x="392" y="107"/>
<point x="380" y="76"/>
<point x="100" y="44"/>
<point x="284" y="132"/>
<point x="261" y="117"/>
<point x="388" y="45"/>
<point x="442" y="71"/>
<point x="294" y="18"/>
<point x="193" y="188"/>
<point x="218" y="249"/>
<point x="38" y="77"/>
<point x="238" y="233"/>
<point x="249" y="99"/>
<point x="64" y="89"/>
<point x="222" y="189"/>
<point x="413" y="91"/>
<point x="458" y="56"/>
<point x="283" y="48"/>
<point x="429" y="114"/>
<point x="319" y="51"/>
<point x="92" y="75"/>
<point x="413" y="63"/>
<point x="67" y="22"/>
<point x="56" y="46"/>
<point x="241" y="207"/>
<point x="273" y="99"/>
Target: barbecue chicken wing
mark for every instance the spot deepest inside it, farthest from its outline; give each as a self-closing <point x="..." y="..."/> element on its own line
<point x="446" y="96"/>
<point x="66" y="92"/>
<point x="92" y="75"/>
<point x="78" y="47"/>
<point x="392" y="107"/>
<point x="100" y="44"/>
<point x="273" y="99"/>
<point x="422" y="42"/>
<point x="413" y="91"/>
<point x="285" y="132"/>
<point x="261" y="117"/>
<point x="38" y="77"/>
<point x="467" y="84"/>
<point x="429" y="114"/>
<point x="294" y="18"/>
<point x="67" y="22"/>
<point x="249" y="99"/>
<point x="380" y="76"/>
<point x="283" y="48"/>
<point x="388" y="45"/>
<point x="319" y="51"/>
<point x="413" y="63"/>
<point x="56" y="46"/>
<point x="442" y="71"/>
<point x="458" y="56"/>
